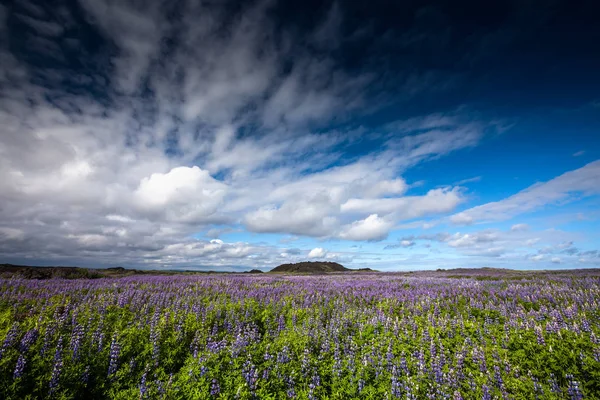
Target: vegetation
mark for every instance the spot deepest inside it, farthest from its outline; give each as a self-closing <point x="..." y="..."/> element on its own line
<point x="311" y="267"/>
<point x="274" y="336"/>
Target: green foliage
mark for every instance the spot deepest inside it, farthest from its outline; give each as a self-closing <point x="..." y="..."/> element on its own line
<point x="175" y="339"/>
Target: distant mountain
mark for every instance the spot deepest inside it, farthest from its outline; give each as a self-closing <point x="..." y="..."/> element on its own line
<point x="253" y="271"/>
<point x="311" y="267"/>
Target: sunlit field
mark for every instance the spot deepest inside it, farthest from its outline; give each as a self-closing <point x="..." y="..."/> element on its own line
<point x="364" y="336"/>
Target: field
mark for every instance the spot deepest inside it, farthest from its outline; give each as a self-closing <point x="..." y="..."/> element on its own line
<point x="341" y="336"/>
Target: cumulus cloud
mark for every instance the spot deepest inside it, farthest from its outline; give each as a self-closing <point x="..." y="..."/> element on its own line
<point x="185" y="194"/>
<point x="317" y="252"/>
<point x="371" y="228"/>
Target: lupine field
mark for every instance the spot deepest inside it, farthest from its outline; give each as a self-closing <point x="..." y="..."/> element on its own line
<point x="363" y="336"/>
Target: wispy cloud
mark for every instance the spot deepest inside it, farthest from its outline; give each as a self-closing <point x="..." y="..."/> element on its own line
<point x="468" y="180"/>
<point x="512" y="244"/>
<point x="567" y="187"/>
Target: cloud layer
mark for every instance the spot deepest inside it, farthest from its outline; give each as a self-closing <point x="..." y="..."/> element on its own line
<point x="199" y="118"/>
<point x="138" y="133"/>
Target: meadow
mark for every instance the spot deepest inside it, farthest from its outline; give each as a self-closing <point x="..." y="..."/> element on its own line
<point x="341" y="336"/>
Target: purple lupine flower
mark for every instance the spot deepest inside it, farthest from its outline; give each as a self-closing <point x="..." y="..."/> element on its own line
<point x="537" y="388"/>
<point x="284" y="355"/>
<point x="159" y="387"/>
<point x="143" y="387"/>
<point x="597" y="354"/>
<point x="20" y="367"/>
<point x="215" y="389"/>
<point x="305" y="361"/>
<point x="85" y="376"/>
<point x="250" y="375"/>
<point x="585" y="326"/>
<point x="408" y="394"/>
<point x="28" y="339"/>
<point x="76" y="337"/>
<point x="47" y="337"/>
<point x="573" y="390"/>
<point x="98" y="336"/>
<point x="554" y="388"/>
<point x="396" y="386"/>
<point x="337" y="362"/>
<point x="154" y="337"/>
<point x="498" y="377"/>
<point x="486" y="393"/>
<point x="10" y="339"/>
<point x="132" y="364"/>
<point x="115" y="349"/>
<point x="203" y="370"/>
<point x="315" y="381"/>
<point x="539" y="335"/>
<point x="57" y="369"/>
<point x="389" y="357"/>
<point x="289" y="380"/>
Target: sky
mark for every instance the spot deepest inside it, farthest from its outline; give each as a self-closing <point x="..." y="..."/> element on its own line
<point x="226" y="135"/>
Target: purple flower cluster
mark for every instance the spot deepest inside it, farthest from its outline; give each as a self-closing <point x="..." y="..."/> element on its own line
<point x="28" y="339"/>
<point x="20" y="367"/>
<point x="57" y="368"/>
<point x="115" y="349"/>
<point x="10" y="339"/>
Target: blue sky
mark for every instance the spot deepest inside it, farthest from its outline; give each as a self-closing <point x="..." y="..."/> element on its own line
<point x="245" y="135"/>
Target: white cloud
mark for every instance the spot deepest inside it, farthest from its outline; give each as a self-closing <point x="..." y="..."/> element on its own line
<point x="409" y="207"/>
<point x="556" y="260"/>
<point x="371" y="228"/>
<point x="317" y="252"/>
<point x="183" y="194"/>
<point x="302" y="218"/>
<point x="515" y="245"/>
<point x="407" y="243"/>
<point x="567" y="187"/>
<point x="468" y="180"/>
<point x="467" y="240"/>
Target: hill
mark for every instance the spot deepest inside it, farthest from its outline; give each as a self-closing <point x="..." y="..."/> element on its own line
<point x="37" y="272"/>
<point x="311" y="267"/>
<point x="30" y="272"/>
